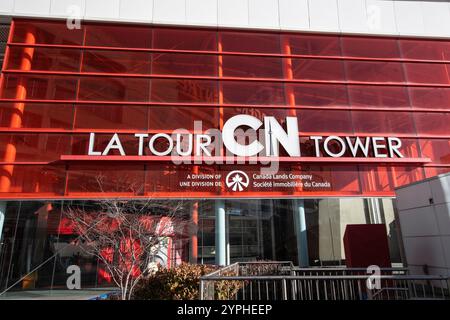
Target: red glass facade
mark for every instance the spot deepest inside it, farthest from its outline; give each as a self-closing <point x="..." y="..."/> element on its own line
<point x="57" y="85"/>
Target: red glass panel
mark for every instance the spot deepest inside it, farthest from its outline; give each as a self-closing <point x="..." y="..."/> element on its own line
<point x="252" y="67"/>
<point x="162" y="179"/>
<point x="38" y="180"/>
<point x="165" y="179"/>
<point x="315" y="45"/>
<point x="250" y="42"/>
<point x="307" y="147"/>
<point x="433" y="98"/>
<point x="375" y="179"/>
<point x="246" y="92"/>
<point x="407" y="175"/>
<point x="171" y="118"/>
<point x="374" y="71"/>
<point x="40" y="87"/>
<point x="434" y="171"/>
<point x="432" y="123"/>
<point x="184" y="39"/>
<point x="320" y="95"/>
<point x="370" y="47"/>
<point x="279" y="114"/>
<point x="320" y="121"/>
<point x="425" y="49"/>
<point x="184" y="64"/>
<point x="39" y="115"/>
<point x="435" y="149"/>
<point x="184" y="90"/>
<point x="111" y="117"/>
<point x="343" y="179"/>
<point x="382" y="122"/>
<point x="410" y="148"/>
<point x="378" y="96"/>
<point x="54" y="59"/>
<point x="119" y="36"/>
<point x="114" y="89"/>
<point x="113" y="179"/>
<point x="35" y="147"/>
<point x="314" y="69"/>
<point x="47" y="32"/>
<point x="427" y="73"/>
<point x="117" y="62"/>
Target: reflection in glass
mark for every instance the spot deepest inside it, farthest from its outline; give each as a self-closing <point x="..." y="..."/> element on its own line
<point x="39" y="242"/>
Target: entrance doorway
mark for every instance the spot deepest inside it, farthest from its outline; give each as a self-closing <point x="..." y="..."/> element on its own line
<point x="289" y="229"/>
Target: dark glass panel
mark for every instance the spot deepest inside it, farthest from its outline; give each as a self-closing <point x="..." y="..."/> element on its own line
<point x="250" y="42"/>
<point x="252" y="67"/>
<point x="38" y="179"/>
<point x="367" y="47"/>
<point x="45" y="59"/>
<point x="315" y="45"/>
<point x="35" y="87"/>
<point x="111" y="117"/>
<point x="184" y="39"/>
<point x="320" y="95"/>
<point x="184" y="64"/>
<point x="427" y="73"/>
<point x="383" y="122"/>
<point x="114" y="89"/>
<point x="432" y="123"/>
<point x="184" y="90"/>
<point x="124" y="36"/>
<point x="314" y="69"/>
<point x="55" y="32"/>
<point x="425" y="49"/>
<point x="117" y="62"/>
<point x="374" y="71"/>
<point x="253" y="93"/>
<point x="378" y="96"/>
<point x="438" y="150"/>
<point x="113" y="179"/>
<point x="429" y="97"/>
<point x="38" y="115"/>
<point x="35" y="146"/>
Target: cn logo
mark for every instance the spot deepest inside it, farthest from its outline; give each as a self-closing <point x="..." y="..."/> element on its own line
<point x="237" y="180"/>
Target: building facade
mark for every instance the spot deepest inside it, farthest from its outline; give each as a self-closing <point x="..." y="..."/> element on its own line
<point x="278" y="122"/>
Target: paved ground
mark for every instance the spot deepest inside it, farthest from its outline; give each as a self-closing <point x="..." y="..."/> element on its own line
<point x="84" y="294"/>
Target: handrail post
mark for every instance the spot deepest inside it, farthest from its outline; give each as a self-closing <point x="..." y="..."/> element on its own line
<point x="284" y="288"/>
<point x="369" y="293"/>
<point x="202" y="287"/>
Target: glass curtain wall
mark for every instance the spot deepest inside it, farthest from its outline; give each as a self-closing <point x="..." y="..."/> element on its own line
<point x="265" y="229"/>
<point x="38" y="244"/>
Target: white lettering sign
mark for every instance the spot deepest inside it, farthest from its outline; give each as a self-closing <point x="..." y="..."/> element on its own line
<point x="243" y="143"/>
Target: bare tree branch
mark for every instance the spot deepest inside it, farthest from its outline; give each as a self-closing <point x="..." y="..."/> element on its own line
<point x="126" y="235"/>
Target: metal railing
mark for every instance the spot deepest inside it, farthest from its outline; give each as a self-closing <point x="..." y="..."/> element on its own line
<point x="283" y="281"/>
<point x="342" y="271"/>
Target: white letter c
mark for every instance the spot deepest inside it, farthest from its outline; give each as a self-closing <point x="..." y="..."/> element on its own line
<point x="230" y="142"/>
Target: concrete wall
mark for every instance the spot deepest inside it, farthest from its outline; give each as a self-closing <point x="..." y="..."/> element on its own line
<point x="413" y="18"/>
<point x="424" y="214"/>
<point x="336" y="214"/>
<point x="330" y="239"/>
